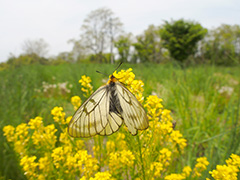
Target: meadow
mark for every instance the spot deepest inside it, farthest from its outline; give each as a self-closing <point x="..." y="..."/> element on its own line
<point x="204" y="102"/>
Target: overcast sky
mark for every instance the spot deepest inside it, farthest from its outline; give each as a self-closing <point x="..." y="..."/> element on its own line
<point x="57" y="21"/>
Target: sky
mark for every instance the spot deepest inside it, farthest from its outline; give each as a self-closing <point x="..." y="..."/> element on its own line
<point x="58" y="21"/>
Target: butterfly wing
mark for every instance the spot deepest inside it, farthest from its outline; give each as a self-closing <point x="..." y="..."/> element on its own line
<point x="94" y="116"/>
<point x="133" y="113"/>
<point x="91" y="117"/>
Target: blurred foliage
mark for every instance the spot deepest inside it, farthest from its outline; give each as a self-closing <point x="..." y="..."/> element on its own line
<point x="180" y="38"/>
<point x="221" y="46"/>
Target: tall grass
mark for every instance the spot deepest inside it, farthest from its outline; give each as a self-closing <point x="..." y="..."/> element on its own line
<point x="207" y="117"/>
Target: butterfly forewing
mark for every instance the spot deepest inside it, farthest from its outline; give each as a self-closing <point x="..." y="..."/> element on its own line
<point x="91" y="117"/>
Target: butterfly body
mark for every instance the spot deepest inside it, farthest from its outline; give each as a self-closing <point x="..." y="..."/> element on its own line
<point x="106" y="109"/>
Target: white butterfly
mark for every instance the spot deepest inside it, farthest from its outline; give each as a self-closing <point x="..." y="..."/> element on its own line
<point x="106" y="109"/>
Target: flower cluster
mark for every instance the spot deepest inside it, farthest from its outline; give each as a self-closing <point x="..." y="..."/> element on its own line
<point x="55" y="89"/>
<point x="128" y="79"/>
<point x="229" y="171"/>
<point x="76" y="102"/>
<point x="87" y="88"/>
<point x="58" y="115"/>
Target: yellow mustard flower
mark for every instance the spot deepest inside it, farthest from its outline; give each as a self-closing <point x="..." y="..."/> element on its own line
<point x="165" y="157"/>
<point x="110" y="146"/>
<point x="229" y="171"/>
<point x="102" y="176"/>
<point x="29" y="166"/>
<point x="156" y="168"/>
<point x="58" y="156"/>
<point x="9" y="132"/>
<point x="87" y="88"/>
<point x="76" y="102"/>
<point x="186" y="171"/>
<point x="128" y="79"/>
<point x="154" y="106"/>
<point x="127" y="158"/>
<point x="174" y="177"/>
<point x="19" y="147"/>
<point x="224" y="172"/>
<point x="177" y="138"/>
<point x="44" y="163"/>
<point x="58" y="115"/>
<point x="36" y="123"/>
<point x="46" y="138"/>
<point x="114" y="161"/>
<point x="201" y="165"/>
<point x="68" y="119"/>
<point x="234" y="160"/>
<point x="22" y="132"/>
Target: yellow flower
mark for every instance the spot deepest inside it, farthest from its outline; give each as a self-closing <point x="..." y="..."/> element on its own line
<point x="110" y="146"/>
<point x="224" y="172"/>
<point x="114" y="161"/>
<point x="76" y="102"/>
<point x="127" y="158"/>
<point x="102" y="176"/>
<point x="201" y="165"/>
<point x="154" y="106"/>
<point x="22" y="132"/>
<point x="128" y="79"/>
<point x="186" y="171"/>
<point x="58" y="115"/>
<point x="9" y="132"/>
<point x="46" y="138"/>
<point x="58" y="156"/>
<point x="36" y="123"/>
<point x="176" y="137"/>
<point x="44" y="163"/>
<point x="86" y="86"/>
<point x="174" y="177"/>
<point x="234" y="160"/>
<point x="229" y="171"/>
<point x="165" y="157"/>
<point x="29" y="166"/>
<point x="156" y="168"/>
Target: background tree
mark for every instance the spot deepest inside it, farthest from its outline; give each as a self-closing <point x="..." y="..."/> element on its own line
<point x="148" y="47"/>
<point x="99" y="31"/>
<point x="180" y="38"/>
<point x="222" y="45"/>
<point x="38" y="47"/>
<point x="123" y="45"/>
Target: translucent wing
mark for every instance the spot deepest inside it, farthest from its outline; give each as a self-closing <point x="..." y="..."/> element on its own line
<point x="94" y="116"/>
<point x="133" y="113"/>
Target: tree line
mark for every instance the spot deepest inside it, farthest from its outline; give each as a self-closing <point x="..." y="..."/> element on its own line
<point x="103" y="40"/>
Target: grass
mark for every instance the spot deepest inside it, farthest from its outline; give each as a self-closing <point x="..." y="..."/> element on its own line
<point x="207" y="118"/>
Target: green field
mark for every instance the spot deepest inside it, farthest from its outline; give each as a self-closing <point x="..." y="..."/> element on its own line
<point x="204" y="102"/>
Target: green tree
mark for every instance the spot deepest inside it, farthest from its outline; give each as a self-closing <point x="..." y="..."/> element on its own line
<point x="222" y="45"/>
<point x="180" y="38"/>
<point x="123" y="45"/>
<point x="149" y="47"/>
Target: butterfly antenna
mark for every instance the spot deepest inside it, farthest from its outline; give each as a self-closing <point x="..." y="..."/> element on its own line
<point x="101" y="73"/>
<point x="118" y="66"/>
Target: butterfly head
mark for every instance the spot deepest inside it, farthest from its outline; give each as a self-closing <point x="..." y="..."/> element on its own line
<point x="112" y="79"/>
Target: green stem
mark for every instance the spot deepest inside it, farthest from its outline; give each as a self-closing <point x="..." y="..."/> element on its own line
<point x="141" y="159"/>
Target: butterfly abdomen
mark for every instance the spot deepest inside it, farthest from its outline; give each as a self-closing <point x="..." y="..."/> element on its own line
<point x="114" y="105"/>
